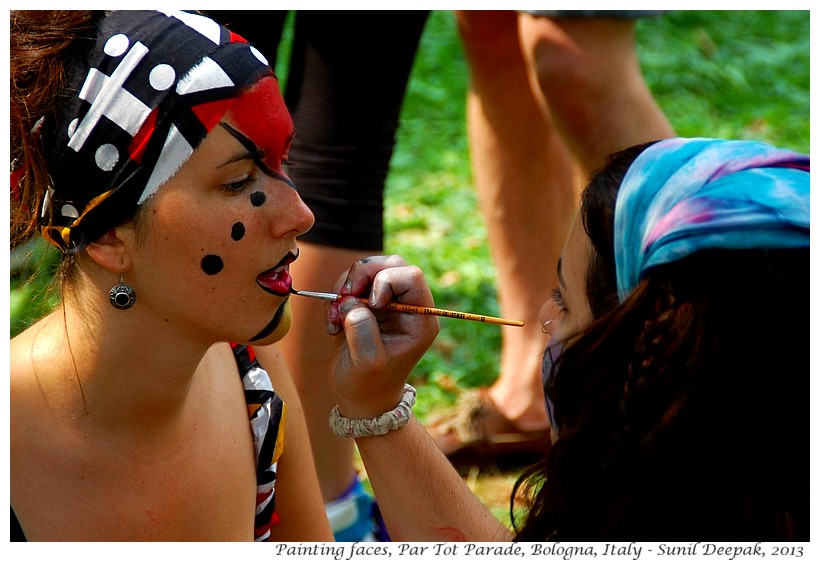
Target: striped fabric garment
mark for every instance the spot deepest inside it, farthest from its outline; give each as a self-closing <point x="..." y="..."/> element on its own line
<point x="267" y="416"/>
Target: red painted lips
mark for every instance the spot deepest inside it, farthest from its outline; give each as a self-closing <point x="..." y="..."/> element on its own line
<point x="277" y="280"/>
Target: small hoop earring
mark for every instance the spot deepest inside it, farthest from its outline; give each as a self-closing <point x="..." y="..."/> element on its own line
<point x="545" y="324"/>
<point x="122" y="296"/>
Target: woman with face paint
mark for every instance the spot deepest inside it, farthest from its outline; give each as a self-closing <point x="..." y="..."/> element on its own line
<point x="149" y="148"/>
<point x="677" y="416"/>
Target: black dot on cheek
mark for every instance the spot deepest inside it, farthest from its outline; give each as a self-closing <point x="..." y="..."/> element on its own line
<point x="212" y="265"/>
<point x="258" y="198"/>
<point x="238" y="231"/>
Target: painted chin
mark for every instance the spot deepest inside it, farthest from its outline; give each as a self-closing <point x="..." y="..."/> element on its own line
<point x="276" y="328"/>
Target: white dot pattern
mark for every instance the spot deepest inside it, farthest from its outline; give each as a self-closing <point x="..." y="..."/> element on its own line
<point x="116" y="45"/>
<point x="131" y="72"/>
<point x="69" y="211"/>
<point x="259" y="56"/>
<point x="162" y="77"/>
<point x="106" y="157"/>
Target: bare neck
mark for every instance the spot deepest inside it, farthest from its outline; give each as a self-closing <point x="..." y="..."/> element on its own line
<point x="113" y="368"/>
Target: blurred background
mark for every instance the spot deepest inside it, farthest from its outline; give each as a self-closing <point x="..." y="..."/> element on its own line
<point x="729" y="74"/>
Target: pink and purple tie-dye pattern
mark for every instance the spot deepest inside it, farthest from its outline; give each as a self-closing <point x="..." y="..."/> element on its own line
<point x="684" y="195"/>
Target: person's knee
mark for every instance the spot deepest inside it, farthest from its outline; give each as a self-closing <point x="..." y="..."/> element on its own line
<point x="579" y="57"/>
<point x="489" y="37"/>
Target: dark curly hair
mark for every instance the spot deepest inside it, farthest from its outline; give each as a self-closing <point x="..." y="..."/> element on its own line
<point x="682" y="413"/>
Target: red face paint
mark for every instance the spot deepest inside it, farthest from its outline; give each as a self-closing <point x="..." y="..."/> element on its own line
<point x="262" y="116"/>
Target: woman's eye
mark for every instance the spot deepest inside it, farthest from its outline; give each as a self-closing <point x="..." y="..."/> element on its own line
<point x="559" y="299"/>
<point x="238" y="186"/>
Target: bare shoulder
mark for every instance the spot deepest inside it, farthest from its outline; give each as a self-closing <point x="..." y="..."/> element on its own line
<point x="35" y="361"/>
<point x="31" y="347"/>
<point x="270" y="357"/>
<point x="193" y="479"/>
<point x="218" y="357"/>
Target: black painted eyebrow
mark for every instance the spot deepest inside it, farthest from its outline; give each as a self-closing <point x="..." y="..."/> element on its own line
<point x="245" y="155"/>
<point x="249" y="145"/>
<point x="254" y="153"/>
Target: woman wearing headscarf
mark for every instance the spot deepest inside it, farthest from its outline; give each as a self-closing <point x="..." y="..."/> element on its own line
<point x="149" y="147"/>
<point x="677" y="374"/>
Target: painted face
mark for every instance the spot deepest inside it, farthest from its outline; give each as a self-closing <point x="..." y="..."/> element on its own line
<point x="222" y="232"/>
<point x="264" y="128"/>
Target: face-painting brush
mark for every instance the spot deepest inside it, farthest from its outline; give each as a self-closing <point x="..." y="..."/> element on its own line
<point x="415" y="309"/>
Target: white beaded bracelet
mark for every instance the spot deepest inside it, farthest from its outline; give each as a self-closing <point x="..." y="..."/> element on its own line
<point x="388" y="421"/>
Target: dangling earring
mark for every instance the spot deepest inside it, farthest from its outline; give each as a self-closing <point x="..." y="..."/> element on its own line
<point x="545" y="326"/>
<point x="122" y="296"/>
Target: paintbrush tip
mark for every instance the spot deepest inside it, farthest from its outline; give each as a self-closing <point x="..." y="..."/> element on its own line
<point x="315" y="295"/>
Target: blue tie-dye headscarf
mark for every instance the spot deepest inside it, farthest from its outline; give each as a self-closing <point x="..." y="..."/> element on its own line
<point x="684" y="195"/>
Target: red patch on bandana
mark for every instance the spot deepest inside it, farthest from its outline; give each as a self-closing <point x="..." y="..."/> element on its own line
<point x="262" y="116"/>
<point x="140" y="140"/>
<point x="209" y="114"/>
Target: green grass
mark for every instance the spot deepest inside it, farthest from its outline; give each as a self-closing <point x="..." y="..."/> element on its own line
<point x="740" y="74"/>
<point x="719" y="74"/>
<point x="722" y="74"/>
<point x="33" y="291"/>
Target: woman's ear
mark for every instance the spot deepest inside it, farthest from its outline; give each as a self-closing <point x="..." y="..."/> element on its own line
<point x="112" y="250"/>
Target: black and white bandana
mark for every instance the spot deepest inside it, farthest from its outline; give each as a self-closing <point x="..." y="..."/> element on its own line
<point x="150" y="90"/>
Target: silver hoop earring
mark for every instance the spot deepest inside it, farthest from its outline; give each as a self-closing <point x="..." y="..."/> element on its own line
<point x="122" y="296"/>
<point x="545" y="324"/>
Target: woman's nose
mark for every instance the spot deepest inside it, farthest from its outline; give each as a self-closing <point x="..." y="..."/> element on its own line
<point x="293" y="217"/>
<point x="305" y="216"/>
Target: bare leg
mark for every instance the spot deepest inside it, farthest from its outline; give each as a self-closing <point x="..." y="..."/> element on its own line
<point x="589" y="73"/>
<point x="544" y="94"/>
<point x="527" y="186"/>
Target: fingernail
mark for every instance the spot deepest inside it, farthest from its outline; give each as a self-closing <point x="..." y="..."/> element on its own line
<point x="348" y="304"/>
<point x="333" y="312"/>
<point x="347" y="287"/>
